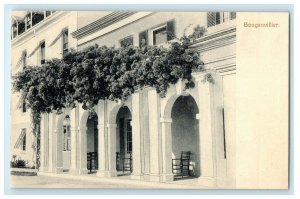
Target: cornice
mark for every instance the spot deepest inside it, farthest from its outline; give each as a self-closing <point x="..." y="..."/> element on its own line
<point x="101" y="23"/>
<point x="215" y="40"/>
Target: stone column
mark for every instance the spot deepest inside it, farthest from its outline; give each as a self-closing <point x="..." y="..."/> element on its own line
<point x="59" y="148"/>
<point x="166" y="132"/>
<point x="101" y="150"/>
<point x="74" y="142"/>
<point x="43" y="155"/>
<point x="154" y="136"/>
<point x="111" y="172"/>
<point x="51" y="142"/>
<point x="102" y="137"/>
<point x="207" y="144"/>
<point x="74" y="132"/>
<point x="82" y="151"/>
<point x="136" y="137"/>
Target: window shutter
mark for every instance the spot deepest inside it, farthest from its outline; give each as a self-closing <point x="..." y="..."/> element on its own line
<point x="232" y="15"/>
<point x="22" y="59"/>
<point x="143" y="38"/>
<point x="20" y="138"/>
<point x="211" y="19"/>
<point x="126" y="41"/>
<point x="170" y="30"/>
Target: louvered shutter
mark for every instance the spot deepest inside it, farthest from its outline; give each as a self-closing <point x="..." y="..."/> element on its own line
<point x="211" y="19"/>
<point x="20" y="138"/>
<point x="232" y="15"/>
<point x="143" y="38"/>
<point x="170" y="30"/>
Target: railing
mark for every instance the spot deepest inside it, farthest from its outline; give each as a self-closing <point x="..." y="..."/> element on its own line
<point x="127" y="163"/>
<point x="124" y="162"/>
<point x="118" y="160"/>
<point x="92" y="161"/>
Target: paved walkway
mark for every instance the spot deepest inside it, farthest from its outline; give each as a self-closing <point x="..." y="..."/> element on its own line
<point x="66" y="180"/>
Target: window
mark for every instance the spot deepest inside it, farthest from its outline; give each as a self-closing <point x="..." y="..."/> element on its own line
<point x="164" y="33"/>
<point x="215" y="18"/>
<point x="42" y="51"/>
<point x="232" y="15"/>
<point x="48" y="13"/>
<point x="24" y="106"/>
<point x="37" y="16"/>
<point x="129" y="137"/>
<point x="160" y="35"/>
<point x="24" y="58"/>
<point x="128" y="41"/>
<point x="21" y="27"/>
<point x="143" y="38"/>
<point x="14" y="30"/>
<point x="28" y="21"/>
<point x="23" y="146"/>
<point x="67" y="138"/>
<point x="65" y="44"/>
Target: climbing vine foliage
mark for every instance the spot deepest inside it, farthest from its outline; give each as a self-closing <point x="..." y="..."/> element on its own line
<point x="104" y="73"/>
<point x="101" y="73"/>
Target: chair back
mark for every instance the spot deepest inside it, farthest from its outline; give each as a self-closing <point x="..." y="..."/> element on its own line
<point x="185" y="155"/>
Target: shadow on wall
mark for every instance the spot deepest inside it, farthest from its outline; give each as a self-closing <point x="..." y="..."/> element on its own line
<point x="185" y="131"/>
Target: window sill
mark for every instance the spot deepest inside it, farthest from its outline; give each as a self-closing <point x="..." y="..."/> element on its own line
<point x="221" y="26"/>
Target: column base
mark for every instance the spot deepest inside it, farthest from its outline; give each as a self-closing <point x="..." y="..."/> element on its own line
<point x="154" y="178"/>
<point x="59" y="170"/>
<point x="207" y="181"/>
<point x="110" y="174"/>
<point x="101" y="174"/>
<point x="73" y="171"/>
<point x="43" y="169"/>
<point x="167" y="177"/>
<point x="137" y="176"/>
<point x="146" y="177"/>
<point x="83" y="171"/>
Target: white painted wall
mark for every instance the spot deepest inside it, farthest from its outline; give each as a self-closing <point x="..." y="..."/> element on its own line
<point x="229" y="92"/>
<point x="46" y="30"/>
<point x="182" y="21"/>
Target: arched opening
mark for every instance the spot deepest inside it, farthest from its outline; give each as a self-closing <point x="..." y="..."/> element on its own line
<point x="66" y="143"/>
<point x="185" y="134"/>
<point x="124" y="141"/>
<point x="92" y="143"/>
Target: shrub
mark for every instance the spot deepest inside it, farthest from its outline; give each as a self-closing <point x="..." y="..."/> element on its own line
<point x="18" y="164"/>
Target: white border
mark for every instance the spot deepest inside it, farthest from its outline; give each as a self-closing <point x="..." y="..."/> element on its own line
<point x="295" y="91"/>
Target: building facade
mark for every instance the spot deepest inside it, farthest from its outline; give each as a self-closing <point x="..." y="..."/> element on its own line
<point x="146" y="130"/>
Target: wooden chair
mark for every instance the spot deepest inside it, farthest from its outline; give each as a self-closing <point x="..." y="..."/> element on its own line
<point x="127" y="163"/>
<point x="92" y="161"/>
<point x="117" y="161"/>
<point x="181" y="166"/>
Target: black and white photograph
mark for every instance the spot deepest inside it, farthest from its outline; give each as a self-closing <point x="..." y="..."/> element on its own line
<point x="149" y="99"/>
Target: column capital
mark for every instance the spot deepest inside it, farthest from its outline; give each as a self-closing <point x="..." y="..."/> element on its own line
<point x="82" y="128"/>
<point x="112" y="125"/>
<point x="100" y="126"/>
<point x="199" y="76"/>
<point x="165" y="120"/>
<point x="73" y="128"/>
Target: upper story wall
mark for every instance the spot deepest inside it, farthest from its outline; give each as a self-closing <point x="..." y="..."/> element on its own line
<point x="142" y="21"/>
<point x="49" y="30"/>
<point x="111" y="34"/>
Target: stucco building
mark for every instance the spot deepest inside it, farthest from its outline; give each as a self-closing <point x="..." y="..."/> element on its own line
<point x="145" y="129"/>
